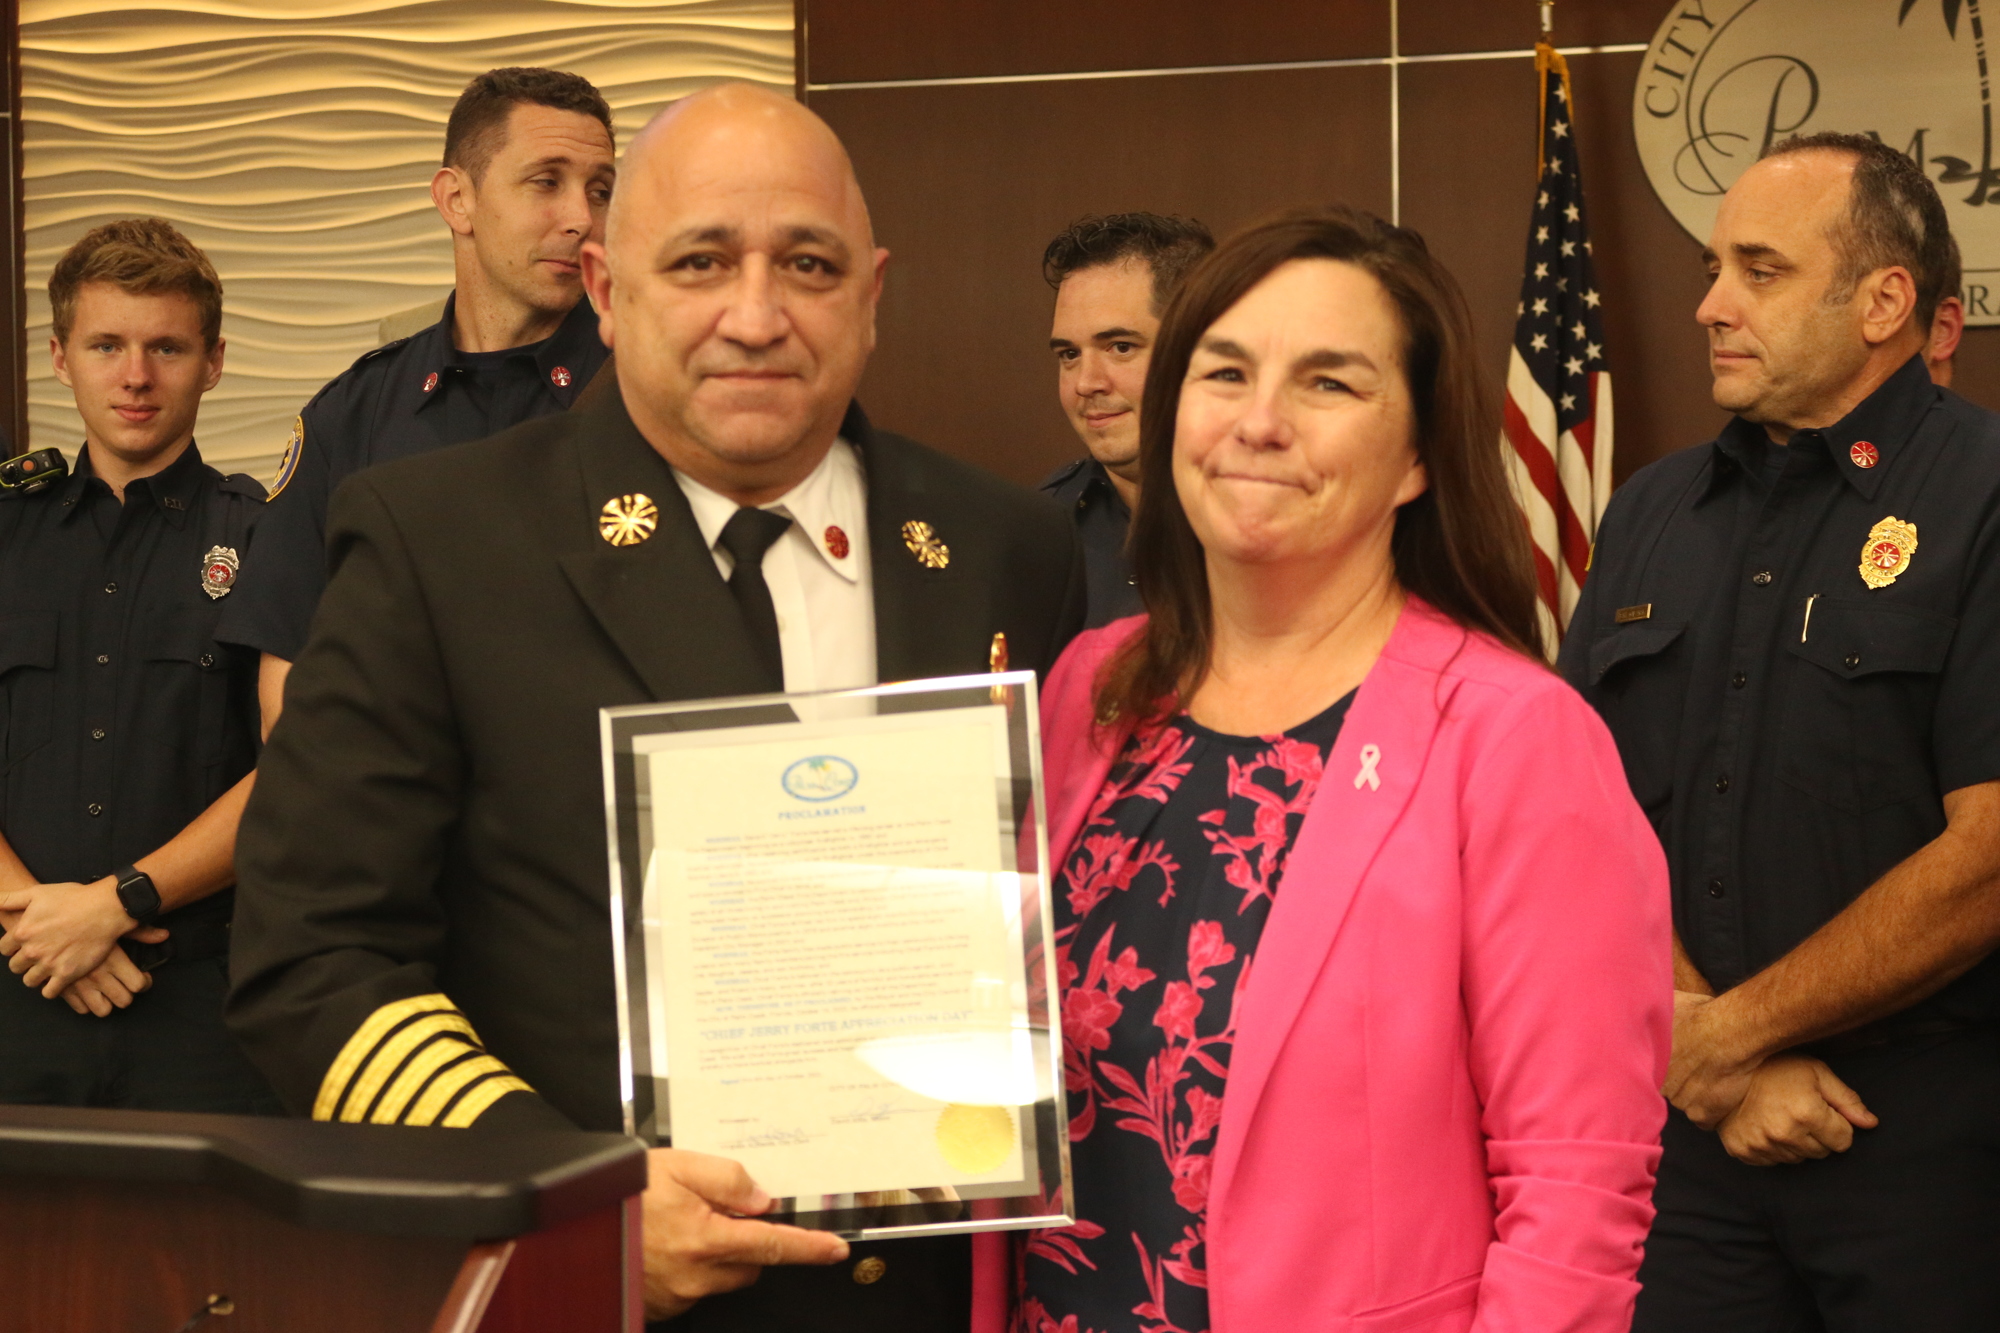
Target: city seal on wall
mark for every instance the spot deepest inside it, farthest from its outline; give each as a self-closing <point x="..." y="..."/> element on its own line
<point x="821" y="777"/>
<point x="1725" y="79"/>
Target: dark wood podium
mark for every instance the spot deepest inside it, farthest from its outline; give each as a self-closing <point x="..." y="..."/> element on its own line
<point x="138" y="1222"/>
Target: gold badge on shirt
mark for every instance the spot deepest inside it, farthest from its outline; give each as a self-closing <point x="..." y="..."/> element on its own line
<point x="628" y="519"/>
<point x="1886" y="553"/>
<point x="922" y="539"/>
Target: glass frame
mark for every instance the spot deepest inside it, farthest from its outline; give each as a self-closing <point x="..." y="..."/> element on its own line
<point x="923" y="1062"/>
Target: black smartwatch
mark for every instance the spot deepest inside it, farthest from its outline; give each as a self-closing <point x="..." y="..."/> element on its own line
<point x="137" y="895"/>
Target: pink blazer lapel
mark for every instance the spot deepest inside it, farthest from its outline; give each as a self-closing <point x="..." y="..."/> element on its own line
<point x="1370" y="777"/>
<point x="1077" y="754"/>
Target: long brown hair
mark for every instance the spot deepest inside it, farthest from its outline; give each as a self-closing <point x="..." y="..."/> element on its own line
<point x="1461" y="545"/>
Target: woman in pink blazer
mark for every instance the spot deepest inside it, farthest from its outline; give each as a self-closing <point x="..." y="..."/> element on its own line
<point x="1363" y="942"/>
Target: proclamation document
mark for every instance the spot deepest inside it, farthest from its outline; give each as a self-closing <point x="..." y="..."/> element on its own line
<point x="836" y="975"/>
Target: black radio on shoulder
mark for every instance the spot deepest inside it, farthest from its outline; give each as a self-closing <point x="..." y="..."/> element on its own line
<point x="30" y="472"/>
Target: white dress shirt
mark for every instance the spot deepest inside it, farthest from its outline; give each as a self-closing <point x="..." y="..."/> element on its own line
<point x="825" y="602"/>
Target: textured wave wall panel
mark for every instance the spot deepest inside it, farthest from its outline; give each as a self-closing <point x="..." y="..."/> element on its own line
<point x="295" y="141"/>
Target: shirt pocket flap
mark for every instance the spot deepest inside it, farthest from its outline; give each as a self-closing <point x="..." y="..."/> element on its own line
<point x="177" y="636"/>
<point x="1630" y="641"/>
<point x="28" y="639"/>
<point x="1853" y="639"/>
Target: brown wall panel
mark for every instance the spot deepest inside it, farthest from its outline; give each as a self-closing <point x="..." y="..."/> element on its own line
<point x="855" y="40"/>
<point x="1651" y="273"/>
<point x="1978" y="367"/>
<point x="967" y="185"/>
<point x="1426" y="26"/>
<point x="1468" y="185"/>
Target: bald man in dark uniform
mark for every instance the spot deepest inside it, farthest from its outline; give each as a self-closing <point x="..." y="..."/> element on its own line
<point x="424" y="932"/>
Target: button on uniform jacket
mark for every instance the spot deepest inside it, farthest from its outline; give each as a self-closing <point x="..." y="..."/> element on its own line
<point x="1443" y="1108"/>
<point x="423" y="927"/>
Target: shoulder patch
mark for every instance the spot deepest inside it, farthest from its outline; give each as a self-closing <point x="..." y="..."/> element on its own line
<point x="290" y="462"/>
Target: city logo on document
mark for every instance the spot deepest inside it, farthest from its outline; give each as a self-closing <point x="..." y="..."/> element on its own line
<point x="820" y="777"/>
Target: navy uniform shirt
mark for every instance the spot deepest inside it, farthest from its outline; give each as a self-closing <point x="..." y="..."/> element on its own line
<point x="121" y="716"/>
<point x="1789" y="725"/>
<point x="406" y="397"/>
<point x="1084" y="488"/>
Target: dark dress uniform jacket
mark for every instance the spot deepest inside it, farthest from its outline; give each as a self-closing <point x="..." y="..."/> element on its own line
<point x="427" y="840"/>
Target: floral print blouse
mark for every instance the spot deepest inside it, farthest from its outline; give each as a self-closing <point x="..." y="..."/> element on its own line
<point x="1158" y="913"/>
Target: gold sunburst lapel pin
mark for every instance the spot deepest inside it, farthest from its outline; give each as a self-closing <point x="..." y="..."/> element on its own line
<point x="628" y="520"/>
<point x="922" y="539"/>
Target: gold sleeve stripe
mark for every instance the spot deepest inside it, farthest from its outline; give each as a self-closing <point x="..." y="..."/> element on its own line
<point x="366" y="1037"/>
<point x="422" y="1067"/>
<point x="448" y="1085"/>
<point x="474" y="1103"/>
<point x="390" y="1055"/>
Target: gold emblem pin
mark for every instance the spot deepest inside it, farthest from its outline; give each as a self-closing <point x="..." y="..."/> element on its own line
<point x="1886" y="554"/>
<point x="627" y="520"/>
<point x="1627" y="614"/>
<point x="923" y="542"/>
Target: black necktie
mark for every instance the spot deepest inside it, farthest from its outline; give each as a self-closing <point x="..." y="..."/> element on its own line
<point x="746" y="536"/>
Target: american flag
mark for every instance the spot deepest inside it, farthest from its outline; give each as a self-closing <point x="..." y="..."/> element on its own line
<point x="1557" y="436"/>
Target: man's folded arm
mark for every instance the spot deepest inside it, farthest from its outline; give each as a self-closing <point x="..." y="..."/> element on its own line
<point x="339" y="929"/>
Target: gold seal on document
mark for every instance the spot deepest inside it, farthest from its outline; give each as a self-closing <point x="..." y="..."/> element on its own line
<point x="1886" y="553"/>
<point x="975" y="1139"/>
<point x="922" y="539"/>
<point x="628" y="520"/>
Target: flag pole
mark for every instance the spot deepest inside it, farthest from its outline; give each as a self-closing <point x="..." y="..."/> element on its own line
<point x="1545" y="55"/>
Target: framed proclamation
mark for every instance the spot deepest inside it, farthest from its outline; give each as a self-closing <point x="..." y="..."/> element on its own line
<point x="830" y="917"/>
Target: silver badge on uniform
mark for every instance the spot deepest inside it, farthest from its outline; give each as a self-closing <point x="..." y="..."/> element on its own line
<point x="218" y="571"/>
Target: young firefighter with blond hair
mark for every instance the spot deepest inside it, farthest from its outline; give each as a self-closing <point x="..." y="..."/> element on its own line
<point x="127" y="733"/>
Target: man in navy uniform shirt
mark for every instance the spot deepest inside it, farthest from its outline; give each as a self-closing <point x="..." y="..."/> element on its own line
<point x="527" y="174"/>
<point x="1113" y="278"/>
<point x="1794" y="634"/>
<point x="128" y="731"/>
